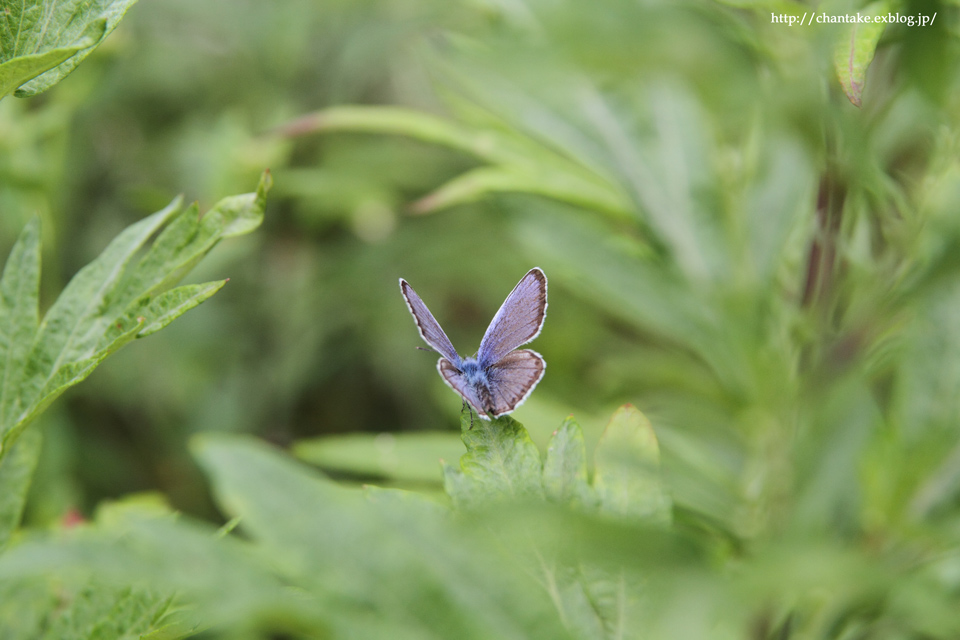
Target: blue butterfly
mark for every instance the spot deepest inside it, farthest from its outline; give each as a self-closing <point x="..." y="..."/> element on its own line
<point x="499" y="378"/>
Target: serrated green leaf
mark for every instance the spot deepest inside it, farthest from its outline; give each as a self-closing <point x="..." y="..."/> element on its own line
<point x="189" y="238"/>
<point x="16" y="72"/>
<point x="16" y="471"/>
<point x="501" y="462"/>
<point x="627" y="468"/>
<point x="19" y="312"/>
<point x="411" y="456"/>
<point x="221" y="575"/>
<point x="65" y="377"/>
<point x="72" y="328"/>
<point x="41" y="41"/>
<point x="105" y="305"/>
<point x="854" y="51"/>
<point x="102" y="612"/>
<point x="170" y="305"/>
<point x="565" y="467"/>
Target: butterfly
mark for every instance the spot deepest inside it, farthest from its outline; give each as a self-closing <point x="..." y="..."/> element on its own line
<point x="499" y="378"/>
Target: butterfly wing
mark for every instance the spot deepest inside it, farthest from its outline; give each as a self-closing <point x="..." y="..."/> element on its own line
<point x="518" y="321"/>
<point x="427" y="325"/>
<point x="512" y="379"/>
<point x="456" y="381"/>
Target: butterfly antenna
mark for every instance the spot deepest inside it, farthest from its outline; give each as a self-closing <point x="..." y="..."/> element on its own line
<point x="423" y="349"/>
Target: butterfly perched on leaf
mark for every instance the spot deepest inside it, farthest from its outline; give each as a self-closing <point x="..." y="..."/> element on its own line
<point x="500" y="377"/>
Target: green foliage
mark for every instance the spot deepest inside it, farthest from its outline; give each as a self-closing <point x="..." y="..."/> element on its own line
<point x="106" y="305"/>
<point x="436" y="575"/>
<point x="410" y="457"/>
<point x="767" y="271"/>
<point x="16" y="470"/>
<point x="41" y="41"/>
<point x="855" y="50"/>
<point x="518" y="163"/>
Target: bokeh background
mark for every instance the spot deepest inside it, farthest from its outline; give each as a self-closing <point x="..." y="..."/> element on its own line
<point x="716" y="155"/>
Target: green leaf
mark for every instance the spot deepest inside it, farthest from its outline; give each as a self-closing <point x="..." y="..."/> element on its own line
<point x="19" y="312"/>
<point x="102" y="612"/>
<point x="520" y="163"/>
<point x="74" y="324"/>
<point x="565" y="467"/>
<point x="189" y="238"/>
<point x="398" y="456"/>
<point x="16" y="471"/>
<point x="106" y="305"/>
<point x="170" y="305"/>
<point x="479" y="183"/>
<point x="290" y="517"/>
<point x="854" y="51"/>
<point x="41" y="41"/>
<point x="501" y="462"/>
<point x="627" y="468"/>
<point x="426" y="579"/>
<point x="221" y="575"/>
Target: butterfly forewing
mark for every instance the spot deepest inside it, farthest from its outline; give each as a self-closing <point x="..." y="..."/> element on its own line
<point x="513" y="378"/>
<point x="518" y="321"/>
<point x="455" y="380"/>
<point x="429" y="328"/>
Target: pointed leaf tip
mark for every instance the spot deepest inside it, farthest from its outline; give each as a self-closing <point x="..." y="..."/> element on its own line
<point x="565" y="467"/>
<point x="854" y="51"/>
<point x="627" y="468"/>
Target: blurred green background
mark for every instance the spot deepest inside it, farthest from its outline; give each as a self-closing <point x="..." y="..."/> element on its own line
<point x="764" y="269"/>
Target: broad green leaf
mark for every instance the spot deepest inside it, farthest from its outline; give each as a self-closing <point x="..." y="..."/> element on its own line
<point x="41" y="41"/>
<point x="501" y="462"/>
<point x="854" y="51"/>
<point x="565" y="467"/>
<point x="413" y="503"/>
<point x="292" y="518"/>
<point x="616" y="597"/>
<point x="223" y="576"/>
<point x="19" y="312"/>
<point x="16" y="471"/>
<point x="627" y="469"/>
<point x="425" y="577"/>
<point x="411" y="456"/>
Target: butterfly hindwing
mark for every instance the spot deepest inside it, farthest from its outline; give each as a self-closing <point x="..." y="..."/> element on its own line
<point x="455" y="380"/>
<point x="512" y="379"/>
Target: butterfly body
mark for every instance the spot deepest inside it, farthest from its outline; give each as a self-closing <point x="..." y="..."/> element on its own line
<point x="501" y="376"/>
<point x="474" y="373"/>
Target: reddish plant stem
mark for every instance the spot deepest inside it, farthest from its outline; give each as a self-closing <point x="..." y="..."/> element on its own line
<point x="822" y="257"/>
